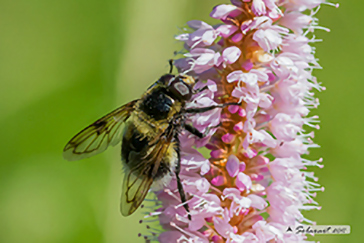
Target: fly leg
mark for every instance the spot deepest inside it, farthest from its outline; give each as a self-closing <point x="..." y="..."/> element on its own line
<point x="179" y="183"/>
<point x="209" y="108"/>
<point x="197" y="133"/>
<point x="196" y="91"/>
<point x="170" y="61"/>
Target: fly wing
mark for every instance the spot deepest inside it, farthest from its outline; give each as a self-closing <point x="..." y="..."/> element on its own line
<point x="141" y="170"/>
<point x="97" y="137"/>
<point x="135" y="188"/>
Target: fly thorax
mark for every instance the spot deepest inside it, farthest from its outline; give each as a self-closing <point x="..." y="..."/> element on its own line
<point x="157" y="105"/>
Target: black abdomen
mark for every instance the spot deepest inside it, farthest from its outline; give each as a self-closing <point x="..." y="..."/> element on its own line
<point x="157" y="105"/>
<point x="134" y="142"/>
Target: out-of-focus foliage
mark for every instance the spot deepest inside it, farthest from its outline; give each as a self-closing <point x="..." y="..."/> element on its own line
<point x="63" y="64"/>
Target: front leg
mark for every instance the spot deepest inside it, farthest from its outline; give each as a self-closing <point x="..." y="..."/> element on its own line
<point x="179" y="183"/>
<point x="209" y="108"/>
<point x="197" y="133"/>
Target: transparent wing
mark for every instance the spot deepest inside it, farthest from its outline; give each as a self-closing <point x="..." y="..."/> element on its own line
<point x="135" y="188"/>
<point x="95" y="138"/>
<point x="141" y="172"/>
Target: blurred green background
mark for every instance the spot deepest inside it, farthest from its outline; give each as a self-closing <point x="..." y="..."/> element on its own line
<point x="63" y="64"/>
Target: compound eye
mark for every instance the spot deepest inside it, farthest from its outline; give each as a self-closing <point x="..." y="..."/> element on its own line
<point x="181" y="90"/>
<point x="165" y="79"/>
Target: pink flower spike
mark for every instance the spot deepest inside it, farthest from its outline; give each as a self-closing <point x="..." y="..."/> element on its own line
<point x="261" y="56"/>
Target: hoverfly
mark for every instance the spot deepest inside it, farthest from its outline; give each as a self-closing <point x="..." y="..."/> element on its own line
<point x="150" y="149"/>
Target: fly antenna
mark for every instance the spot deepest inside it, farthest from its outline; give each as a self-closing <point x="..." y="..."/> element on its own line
<point x="170" y="65"/>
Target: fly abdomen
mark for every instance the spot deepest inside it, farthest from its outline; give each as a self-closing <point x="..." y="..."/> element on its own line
<point x="133" y="141"/>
